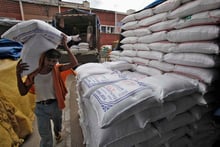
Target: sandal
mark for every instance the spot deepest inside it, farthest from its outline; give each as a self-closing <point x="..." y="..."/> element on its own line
<point x="59" y="138"/>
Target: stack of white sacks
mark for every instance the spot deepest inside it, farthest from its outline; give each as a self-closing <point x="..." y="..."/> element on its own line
<point x="82" y="47"/>
<point x="160" y="91"/>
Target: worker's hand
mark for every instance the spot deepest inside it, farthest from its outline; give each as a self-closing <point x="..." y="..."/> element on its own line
<point x="64" y="40"/>
<point x="21" y="67"/>
<point x="76" y="38"/>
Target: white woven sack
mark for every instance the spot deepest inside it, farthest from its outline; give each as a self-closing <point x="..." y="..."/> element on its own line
<point x="141" y="32"/>
<point x="133" y="75"/>
<point x="113" y="58"/>
<point x="25" y="30"/>
<point x="117" y="53"/>
<point x="178" y="133"/>
<point x="115" y="134"/>
<point x="195" y="33"/>
<point x="32" y="51"/>
<point x="199" y="112"/>
<point x="164" y="25"/>
<point x="129" y="40"/>
<point x="127" y="46"/>
<point x="202" y="87"/>
<point x="206" y="47"/>
<point x="128" y="33"/>
<point x="155" y="37"/>
<point x="118" y="65"/>
<point x="94" y="136"/>
<point x="155" y="113"/>
<point x="140" y="61"/>
<point x="130" y="25"/>
<point x="154" y="55"/>
<point x="193" y="7"/>
<point x="129" y="53"/>
<point x="202" y="74"/>
<point x="88" y="69"/>
<point x="180" y="120"/>
<point x="170" y="87"/>
<point x="143" y="14"/>
<point x="163" y="46"/>
<point x="171" y="136"/>
<point x="37" y="37"/>
<point x="148" y="70"/>
<point x="141" y="47"/>
<point x="167" y="6"/>
<point x="207" y="17"/>
<point x="180" y="142"/>
<point x="93" y="82"/>
<point x="115" y="101"/>
<point x="128" y="18"/>
<point x="153" y="19"/>
<point x="157" y="141"/>
<point x="131" y="139"/>
<point x="192" y="59"/>
<point x="163" y="66"/>
<point x="185" y="103"/>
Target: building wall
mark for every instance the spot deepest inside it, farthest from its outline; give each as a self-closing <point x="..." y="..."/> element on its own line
<point x="11" y="9"/>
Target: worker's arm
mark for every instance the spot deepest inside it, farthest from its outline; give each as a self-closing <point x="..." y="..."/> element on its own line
<point x="23" y="89"/>
<point x="73" y="61"/>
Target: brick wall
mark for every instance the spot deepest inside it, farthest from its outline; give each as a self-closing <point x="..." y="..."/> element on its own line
<point x="108" y="39"/>
<point x="11" y="9"/>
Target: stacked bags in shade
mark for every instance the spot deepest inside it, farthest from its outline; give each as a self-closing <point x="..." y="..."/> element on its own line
<point x="173" y="44"/>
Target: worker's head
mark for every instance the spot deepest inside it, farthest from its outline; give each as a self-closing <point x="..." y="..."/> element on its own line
<point x="61" y="23"/>
<point x="50" y="58"/>
<point x="53" y="54"/>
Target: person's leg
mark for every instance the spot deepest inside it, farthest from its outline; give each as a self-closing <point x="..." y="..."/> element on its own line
<point x="56" y="117"/>
<point x="44" y="126"/>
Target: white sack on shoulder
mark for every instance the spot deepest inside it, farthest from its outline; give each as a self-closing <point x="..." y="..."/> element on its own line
<point x="32" y="51"/>
<point x="25" y="30"/>
<point x="37" y="37"/>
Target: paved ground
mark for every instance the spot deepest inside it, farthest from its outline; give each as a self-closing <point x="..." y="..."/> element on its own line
<point x="71" y="129"/>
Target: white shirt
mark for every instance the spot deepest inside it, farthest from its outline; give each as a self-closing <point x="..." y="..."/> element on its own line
<point x="44" y="87"/>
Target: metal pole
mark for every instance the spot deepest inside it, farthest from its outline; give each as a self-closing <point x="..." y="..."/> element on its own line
<point x="21" y="9"/>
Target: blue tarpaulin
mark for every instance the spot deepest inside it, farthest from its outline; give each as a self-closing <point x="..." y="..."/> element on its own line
<point x="10" y="49"/>
<point x="151" y="5"/>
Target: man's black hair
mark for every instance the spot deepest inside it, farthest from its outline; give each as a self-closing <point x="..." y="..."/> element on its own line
<point x="53" y="53"/>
